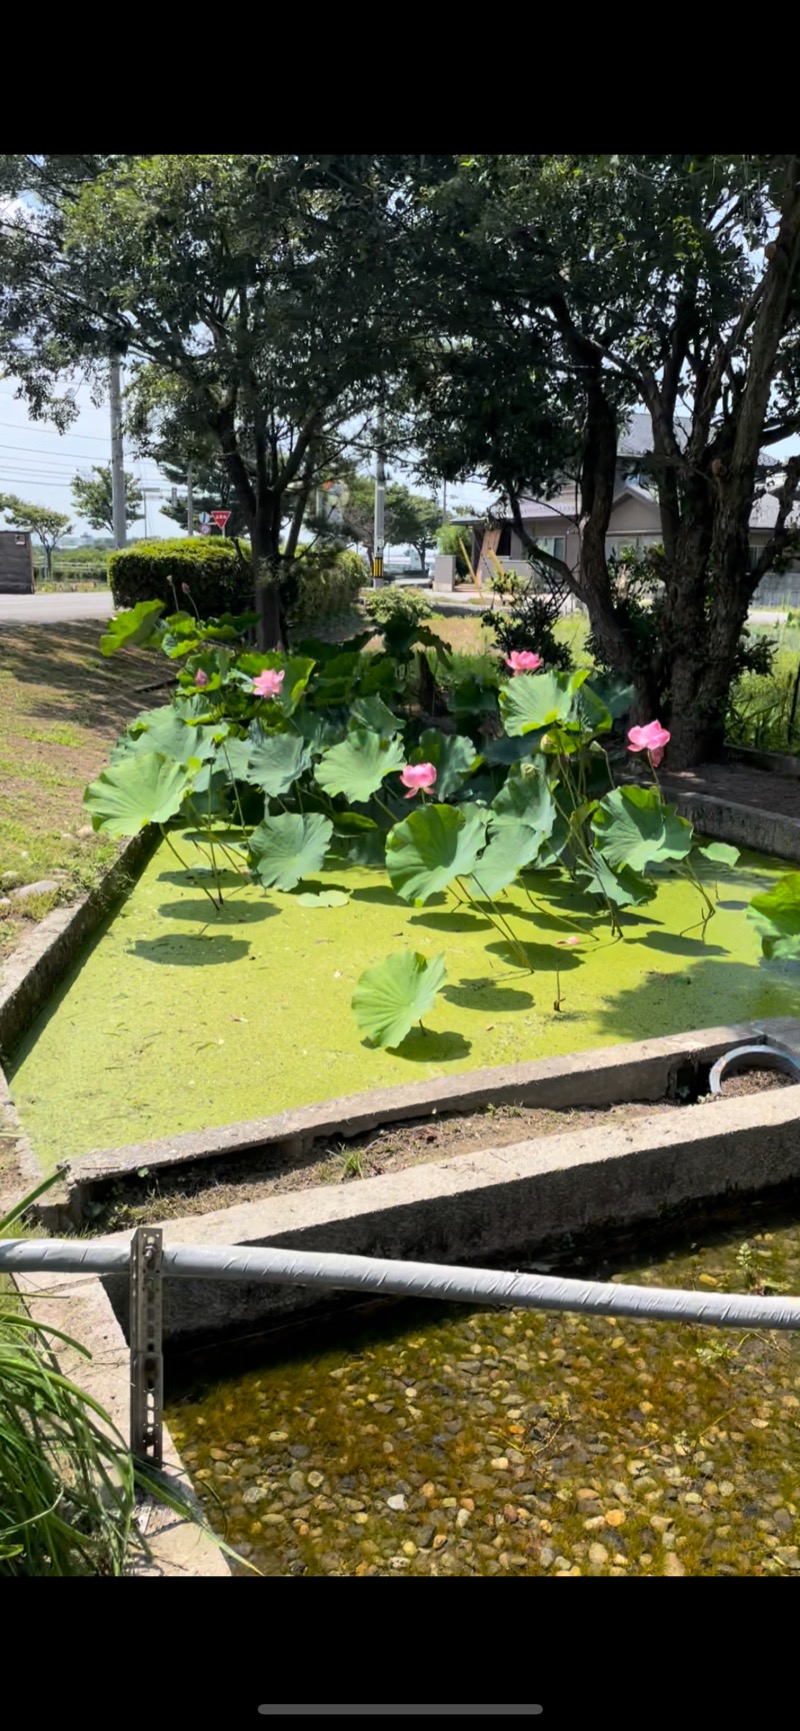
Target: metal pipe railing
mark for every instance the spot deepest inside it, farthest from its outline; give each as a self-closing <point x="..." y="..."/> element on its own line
<point x="412" y="1280"/>
<point x="146" y="1262"/>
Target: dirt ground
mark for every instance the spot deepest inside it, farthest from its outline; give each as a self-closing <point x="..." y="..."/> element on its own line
<point x="229" y="1182"/>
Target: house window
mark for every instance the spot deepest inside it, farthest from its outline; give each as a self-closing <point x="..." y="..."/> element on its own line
<point x="555" y="545"/>
<point x="504" y="542"/>
<point x="19" y="540"/>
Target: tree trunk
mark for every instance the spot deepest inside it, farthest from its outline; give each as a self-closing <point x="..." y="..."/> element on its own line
<point x="48" y="562"/>
<point x="265" y="542"/>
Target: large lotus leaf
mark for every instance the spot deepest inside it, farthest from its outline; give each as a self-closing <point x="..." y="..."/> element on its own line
<point x="471" y="698"/>
<point x="634" y="827"/>
<point x="720" y="853"/>
<point x="453" y="757"/>
<point x="322" y="652"/>
<point x="432" y="847"/>
<point x="318" y="731"/>
<point x="136" y="625"/>
<point x="525" y="798"/>
<point x="531" y="700"/>
<point x="507" y="751"/>
<point x="590" y="710"/>
<point x="395" y="994"/>
<point x="553" y="846"/>
<point x="513" y="846"/>
<point x="357" y="767"/>
<point x="776" y="915"/>
<point x="233" y="756"/>
<point x="624" y="887"/>
<point x="275" y="763"/>
<point x="142" y="788"/>
<point x="208" y="796"/>
<point x="617" y="694"/>
<point x="163" y="730"/>
<point x="288" y="848"/>
<point x="375" y="715"/>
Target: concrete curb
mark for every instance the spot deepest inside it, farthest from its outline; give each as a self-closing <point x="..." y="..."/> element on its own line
<point x="643" y="1070"/>
<point x="745" y="826"/>
<point x="40" y="962"/>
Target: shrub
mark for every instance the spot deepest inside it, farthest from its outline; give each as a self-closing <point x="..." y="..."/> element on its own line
<point x="155" y="570"/>
<point x="530" y="624"/>
<point x="398" y="607"/>
<point x="328" y="585"/>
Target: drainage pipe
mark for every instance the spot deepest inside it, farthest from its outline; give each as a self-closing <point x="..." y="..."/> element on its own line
<point x="412" y="1280"/>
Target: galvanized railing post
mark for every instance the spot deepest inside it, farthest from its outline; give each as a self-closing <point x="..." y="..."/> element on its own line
<point x="147" y="1362"/>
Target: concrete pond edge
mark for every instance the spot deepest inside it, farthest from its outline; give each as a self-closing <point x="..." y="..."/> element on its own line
<point x="604" y="1076"/>
<point x="39" y="963"/>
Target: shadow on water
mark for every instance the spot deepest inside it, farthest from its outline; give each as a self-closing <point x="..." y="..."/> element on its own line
<point x="191" y="951"/>
<point x="483" y="995"/>
<point x="231" y="913"/>
<point x="449" y="922"/>
<point x="424" y="1046"/>
<point x="376" y="893"/>
<point x="675" y="944"/>
<point x="706" y="993"/>
<point x="548" y="958"/>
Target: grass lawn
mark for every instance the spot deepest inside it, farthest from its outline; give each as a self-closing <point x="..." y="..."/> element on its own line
<point x="62" y="706"/>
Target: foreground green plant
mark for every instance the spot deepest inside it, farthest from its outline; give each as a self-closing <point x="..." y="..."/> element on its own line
<point x="284" y="764"/>
<point x="68" y="1482"/>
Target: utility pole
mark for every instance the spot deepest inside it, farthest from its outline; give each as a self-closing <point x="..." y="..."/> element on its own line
<point x="444" y="501"/>
<point x="117" y="456"/>
<point x="380" y="501"/>
<point x="189" y="501"/>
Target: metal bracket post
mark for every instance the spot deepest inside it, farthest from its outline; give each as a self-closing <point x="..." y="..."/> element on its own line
<point x="147" y="1361"/>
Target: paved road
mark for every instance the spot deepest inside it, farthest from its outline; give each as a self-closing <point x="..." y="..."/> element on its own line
<point x="54" y="609"/>
<point x="64" y="609"/>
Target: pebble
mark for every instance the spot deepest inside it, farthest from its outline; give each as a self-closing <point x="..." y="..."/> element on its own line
<point x="297" y="1482"/>
<point x="315" y="1480"/>
<point x="673" y="1564"/>
<point x="598" y="1554"/>
<point x="43" y="887"/>
<point x="397" y="1502"/>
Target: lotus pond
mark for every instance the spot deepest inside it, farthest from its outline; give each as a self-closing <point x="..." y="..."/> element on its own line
<point x="177" y="1018"/>
<point x="436" y="1440"/>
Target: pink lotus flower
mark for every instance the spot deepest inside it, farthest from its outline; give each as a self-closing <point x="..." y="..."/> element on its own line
<point x="200" y="677"/>
<point x="568" y="943"/>
<point x="524" y="661"/>
<point x="268" y="683"/>
<point x="651" y="739"/>
<point x="416" y="777"/>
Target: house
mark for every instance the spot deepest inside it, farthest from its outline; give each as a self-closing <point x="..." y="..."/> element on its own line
<point x="635" y="521"/>
<point x="16" y="562"/>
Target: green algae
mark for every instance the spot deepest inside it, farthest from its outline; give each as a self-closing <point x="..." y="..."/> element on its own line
<point x="512" y="1442"/>
<point x="177" y="1019"/>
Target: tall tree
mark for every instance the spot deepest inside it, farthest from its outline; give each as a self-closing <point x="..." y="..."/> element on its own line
<point x="264" y="286"/>
<point x="410" y="519"/>
<point x="93" y="497"/>
<point x="596" y="285"/>
<point x="48" y="526"/>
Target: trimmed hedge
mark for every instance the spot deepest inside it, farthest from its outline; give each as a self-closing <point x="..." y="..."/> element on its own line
<point x="328" y="581"/>
<point x="148" y="570"/>
<point x="328" y="585"/>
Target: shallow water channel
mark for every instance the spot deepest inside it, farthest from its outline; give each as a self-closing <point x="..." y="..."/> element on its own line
<point x="433" y="1440"/>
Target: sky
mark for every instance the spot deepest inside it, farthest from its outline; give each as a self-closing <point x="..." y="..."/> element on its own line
<point x="38" y="463"/>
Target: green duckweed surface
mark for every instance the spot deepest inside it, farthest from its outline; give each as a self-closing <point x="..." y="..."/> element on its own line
<point x="176" y="1019"/>
<point x="444" y="1441"/>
